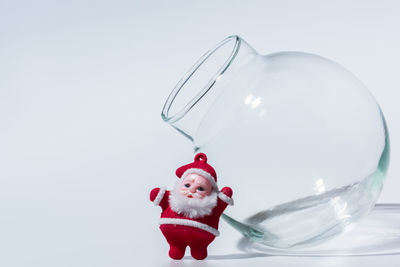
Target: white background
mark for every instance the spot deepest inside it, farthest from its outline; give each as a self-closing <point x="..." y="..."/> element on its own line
<point x="82" y="84"/>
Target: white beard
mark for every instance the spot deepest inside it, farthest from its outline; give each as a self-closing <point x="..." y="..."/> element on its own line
<point x="192" y="207"/>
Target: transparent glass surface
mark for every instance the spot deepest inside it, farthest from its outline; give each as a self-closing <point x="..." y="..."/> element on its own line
<point x="377" y="234"/>
<point x="299" y="138"/>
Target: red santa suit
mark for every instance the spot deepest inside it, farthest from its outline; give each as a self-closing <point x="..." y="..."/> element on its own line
<point x="195" y="232"/>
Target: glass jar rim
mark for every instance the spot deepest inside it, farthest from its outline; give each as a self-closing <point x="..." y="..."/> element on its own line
<point x="178" y="87"/>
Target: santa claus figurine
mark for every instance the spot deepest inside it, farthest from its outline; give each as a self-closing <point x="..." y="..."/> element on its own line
<point x="191" y="210"/>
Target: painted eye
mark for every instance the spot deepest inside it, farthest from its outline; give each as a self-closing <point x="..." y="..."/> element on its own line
<point x="200" y="188"/>
<point x="187" y="185"/>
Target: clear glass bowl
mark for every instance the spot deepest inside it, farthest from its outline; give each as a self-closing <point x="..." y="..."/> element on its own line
<point x="299" y="138"/>
<point x="377" y="234"/>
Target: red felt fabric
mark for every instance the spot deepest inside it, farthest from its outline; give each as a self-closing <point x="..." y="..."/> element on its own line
<point x="154" y="193"/>
<point x="180" y="236"/>
<point x="227" y="191"/>
<point x="200" y="162"/>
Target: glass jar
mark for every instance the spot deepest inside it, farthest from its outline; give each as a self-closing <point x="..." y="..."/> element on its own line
<point x="300" y="139"/>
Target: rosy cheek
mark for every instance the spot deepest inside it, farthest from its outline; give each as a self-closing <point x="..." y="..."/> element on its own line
<point x="184" y="189"/>
<point x="201" y="194"/>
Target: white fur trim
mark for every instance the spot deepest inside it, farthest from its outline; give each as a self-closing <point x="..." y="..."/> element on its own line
<point x="191" y="207"/>
<point x="160" y="196"/>
<point x="191" y="223"/>
<point x="202" y="173"/>
<point x="225" y="198"/>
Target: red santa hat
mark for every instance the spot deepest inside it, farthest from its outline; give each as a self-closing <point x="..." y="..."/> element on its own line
<point x="199" y="166"/>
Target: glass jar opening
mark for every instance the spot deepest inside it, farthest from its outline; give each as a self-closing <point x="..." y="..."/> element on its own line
<point x="200" y="79"/>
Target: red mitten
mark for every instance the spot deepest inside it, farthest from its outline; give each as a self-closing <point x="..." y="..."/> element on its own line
<point x="154" y="193"/>
<point x="227" y="191"/>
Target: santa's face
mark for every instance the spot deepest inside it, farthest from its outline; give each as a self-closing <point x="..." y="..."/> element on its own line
<point x="195" y="186"/>
<point x="193" y="196"/>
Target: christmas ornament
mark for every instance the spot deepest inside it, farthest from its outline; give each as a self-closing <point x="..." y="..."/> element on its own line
<point x="191" y="210"/>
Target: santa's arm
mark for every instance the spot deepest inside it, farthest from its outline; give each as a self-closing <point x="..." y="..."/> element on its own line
<point x="224" y="199"/>
<point x="159" y="196"/>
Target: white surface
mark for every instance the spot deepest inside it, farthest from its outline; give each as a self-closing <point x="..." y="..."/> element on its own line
<point x="82" y="84"/>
